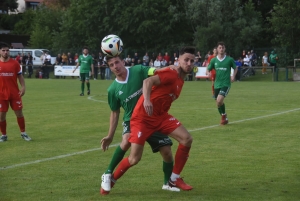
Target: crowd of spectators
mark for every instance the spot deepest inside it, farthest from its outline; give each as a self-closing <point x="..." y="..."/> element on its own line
<point x="101" y="70"/>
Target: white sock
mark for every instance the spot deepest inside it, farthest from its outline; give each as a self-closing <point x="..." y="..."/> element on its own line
<point x="174" y="176"/>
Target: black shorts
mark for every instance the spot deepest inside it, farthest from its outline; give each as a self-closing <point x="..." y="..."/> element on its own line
<point x="156" y="140"/>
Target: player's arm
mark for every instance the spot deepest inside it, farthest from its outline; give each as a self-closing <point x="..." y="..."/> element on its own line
<point x="22" y="83"/>
<point x="113" y="123"/>
<point x="92" y="66"/>
<point x="235" y="70"/>
<point x="147" y="86"/>
<point x="78" y="63"/>
<point x="209" y="68"/>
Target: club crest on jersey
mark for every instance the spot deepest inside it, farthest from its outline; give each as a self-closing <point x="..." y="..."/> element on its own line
<point x="139" y="134"/>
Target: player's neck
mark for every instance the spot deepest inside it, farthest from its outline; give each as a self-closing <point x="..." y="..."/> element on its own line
<point x="2" y="59"/>
<point x="221" y="56"/>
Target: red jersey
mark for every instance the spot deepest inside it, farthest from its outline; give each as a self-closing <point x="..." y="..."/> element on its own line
<point x="162" y="95"/>
<point x="9" y="72"/>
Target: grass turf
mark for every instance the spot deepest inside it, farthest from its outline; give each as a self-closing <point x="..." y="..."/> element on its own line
<point x="255" y="157"/>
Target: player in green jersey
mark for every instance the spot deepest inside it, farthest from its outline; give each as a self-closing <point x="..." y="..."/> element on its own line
<point x="222" y="64"/>
<point x="124" y="92"/>
<point x="85" y="61"/>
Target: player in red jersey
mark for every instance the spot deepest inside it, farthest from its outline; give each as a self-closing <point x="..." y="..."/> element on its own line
<point x="151" y="114"/>
<point x="10" y="94"/>
<point x="212" y="72"/>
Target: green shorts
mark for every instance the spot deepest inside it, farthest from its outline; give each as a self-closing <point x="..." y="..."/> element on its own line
<point x="156" y="140"/>
<point x="222" y="91"/>
<point x="84" y="76"/>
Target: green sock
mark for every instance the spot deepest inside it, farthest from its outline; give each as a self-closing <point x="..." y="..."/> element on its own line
<point x="82" y="87"/>
<point x="223" y="108"/>
<point x="88" y="85"/>
<point x="167" y="168"/>
<point x="116" y="159"/>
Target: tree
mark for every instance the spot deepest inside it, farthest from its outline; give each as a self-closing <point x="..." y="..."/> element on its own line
<point x="285" y="23"/>
<point x="8" y="5"/>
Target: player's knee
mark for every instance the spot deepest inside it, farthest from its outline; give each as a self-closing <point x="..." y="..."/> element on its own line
<point x="189" y="141"/>
<point x="166" y="154"/>
<point x="133" y="160"/>
<point x="125" y="145"/>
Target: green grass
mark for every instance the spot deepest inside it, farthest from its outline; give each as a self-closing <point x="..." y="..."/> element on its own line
<point x="255" y="157"/>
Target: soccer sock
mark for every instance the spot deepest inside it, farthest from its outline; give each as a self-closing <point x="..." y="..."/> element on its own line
<point x="21" y="122"/>
<point x="3" y="127"/>
<point x="167" y="168"/>
<point x="88" y="85"/>
<point x="220" y="111"/>
<point x="117" y="157"/>
<point x="82" y="87"/>
<point x="223" y="108"/>
<point x="181" y="157"/>
<point x="121" y="169"/>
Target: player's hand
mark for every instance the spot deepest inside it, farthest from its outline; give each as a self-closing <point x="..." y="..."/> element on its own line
<point x="73" y="71"/>
<point x="22" y="92"/>
<point x="148" y="107"/>
<point x="105" y="142"/>
<point x="232" y="79"/>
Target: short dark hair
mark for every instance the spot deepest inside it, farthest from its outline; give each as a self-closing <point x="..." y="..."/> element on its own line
<point x="221" y="43"/>
<point x="85" y="47"/>
<point x="109" y="58"/>
<point x="2" y="45"/>
<point x="187" y="49"/>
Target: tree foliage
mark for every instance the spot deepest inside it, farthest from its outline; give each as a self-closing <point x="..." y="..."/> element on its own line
<point x="163" y="24"/>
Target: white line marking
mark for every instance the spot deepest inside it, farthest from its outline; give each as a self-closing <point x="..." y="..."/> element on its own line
<point x="96" y="149"/>
<point x="91" y="98"/>
<point x="53" y="158"/>
<point x="254" y="118"/>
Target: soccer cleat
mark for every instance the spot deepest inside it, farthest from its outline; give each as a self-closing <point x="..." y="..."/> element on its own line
<point x="170" y="188"/>
<point x="3" y="138"/>
<point x="224" y="119"/>
<point x="88" y="92"/>
<point x="107" y="183"/>
<point x="25" y="137"/>
<point x="179" y="183"/>
<point x="81" y="94"/>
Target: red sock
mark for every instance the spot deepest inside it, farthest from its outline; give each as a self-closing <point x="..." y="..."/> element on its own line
<point x="121" y="169"/>
<point x="182" y="154"/>
<point x="3" y="127"/>
<point x="21" y="122"/>
<point x="213" y="89"/>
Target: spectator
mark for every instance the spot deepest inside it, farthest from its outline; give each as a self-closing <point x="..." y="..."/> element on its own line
<point x="197" y="63"/>
<point x="29" y="64"/>
<point x="167" y="57"/>
<point x="24" y="61"/>
<point x="151" y="63"/>
<point x="107" y="70"/>
<point x="128" y="60"/>
<point x="18" y="58"/>
<point x="207" y="55"/>
<point x="173" y="57"/>
<point x="95" y="62"/>
<point x="253" y="58"/>
<point x="76" y="57"/>
<point x="265" y="63"/>
<point x="64" y="59"/>
<point x="146" y="59"/>
<point x="243" y="54"/>
<point x="239" y="64"/>
<point x="176" y="62"/>
<point x="157" y="63"/>
<point x="136" y="58"/>
<point x="198" y="55"/>
<point x="159" y="57"/>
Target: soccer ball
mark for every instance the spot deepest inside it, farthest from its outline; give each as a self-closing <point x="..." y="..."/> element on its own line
<point x="112" y="45"/>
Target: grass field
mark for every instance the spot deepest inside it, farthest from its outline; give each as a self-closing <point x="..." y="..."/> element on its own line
<point x="254" y="157"/>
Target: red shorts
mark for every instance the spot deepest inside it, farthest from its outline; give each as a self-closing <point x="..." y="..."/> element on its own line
<point x="15" y="104"/>
<point x="141" y="129"/>
<point x="213" y="75"/>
